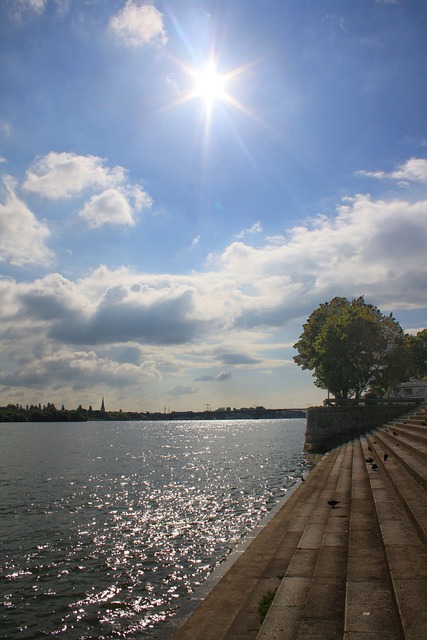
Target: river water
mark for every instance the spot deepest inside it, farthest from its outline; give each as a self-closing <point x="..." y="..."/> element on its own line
<point x="107" y="527"/>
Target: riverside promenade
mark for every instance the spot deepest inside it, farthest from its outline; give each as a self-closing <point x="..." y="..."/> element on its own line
<point x="356" y="570"/>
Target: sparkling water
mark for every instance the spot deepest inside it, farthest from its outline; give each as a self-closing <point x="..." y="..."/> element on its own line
<point x="107" y="527"/>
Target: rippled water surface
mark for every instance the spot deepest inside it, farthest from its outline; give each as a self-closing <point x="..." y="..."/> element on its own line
<point x="107" y="527"/>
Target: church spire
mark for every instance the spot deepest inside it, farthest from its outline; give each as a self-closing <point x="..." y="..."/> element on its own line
<point x="102" y="405"/>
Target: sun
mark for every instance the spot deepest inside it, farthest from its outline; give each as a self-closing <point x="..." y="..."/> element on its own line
<point x="209" y="85"/>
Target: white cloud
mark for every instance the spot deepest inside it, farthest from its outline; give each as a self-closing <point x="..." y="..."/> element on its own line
<point x="22" y="236"/>
<point x="370" y="247"/>
<point x="255" y="228"/>
<point x="2" y="160"/>
<point x="113" y="207"/>
<point x="79" y="369"/>
<point x="413" y="170"/>
<point x="141" y="199"/>
<point x="62" y="175"/>
<point x="139" y="24"/>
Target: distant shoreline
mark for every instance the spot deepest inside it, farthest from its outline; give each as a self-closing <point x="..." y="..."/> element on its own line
<point x="49" y="413"/>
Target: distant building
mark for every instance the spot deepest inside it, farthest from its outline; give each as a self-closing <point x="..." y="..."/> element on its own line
<point x="102" y="405"/>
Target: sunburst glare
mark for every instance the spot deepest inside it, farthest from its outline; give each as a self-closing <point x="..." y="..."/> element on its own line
<point x="209" y="84"/>
<point x="212" y="86"/>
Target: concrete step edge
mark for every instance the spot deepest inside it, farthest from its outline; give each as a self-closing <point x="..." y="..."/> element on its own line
<point x="368" y="579"/>
<point x="299" y="585"/>
<point x="406" y="454"/>
<point x="409" y="441"/>
<point x="411" y="496"/>
<point x="413" y="628"/>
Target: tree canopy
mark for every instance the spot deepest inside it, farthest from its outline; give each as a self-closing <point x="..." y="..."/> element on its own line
<point x="351" y="346"/>
<point x="417" y="346"/>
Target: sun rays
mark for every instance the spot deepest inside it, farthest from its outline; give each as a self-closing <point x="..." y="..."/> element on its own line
<point x="208" y="84"/>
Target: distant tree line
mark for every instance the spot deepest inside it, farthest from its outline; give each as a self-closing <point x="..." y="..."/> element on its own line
<point x="39" y="413"/>
<point x="49" y="413"/>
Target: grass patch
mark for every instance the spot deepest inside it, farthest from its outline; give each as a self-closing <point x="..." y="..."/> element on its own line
<point x="265" y="603"/>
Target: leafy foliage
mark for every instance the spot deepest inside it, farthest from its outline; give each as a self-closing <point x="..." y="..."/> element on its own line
<point x="417" y="346"/>
<point x="351" y="346"/>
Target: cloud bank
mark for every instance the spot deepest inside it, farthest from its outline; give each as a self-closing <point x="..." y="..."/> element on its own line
<point x="413" y="170"/>
<point x="121" y="327"/>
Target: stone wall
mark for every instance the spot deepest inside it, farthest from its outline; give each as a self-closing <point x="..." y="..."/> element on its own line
<point x="328" y="427"/>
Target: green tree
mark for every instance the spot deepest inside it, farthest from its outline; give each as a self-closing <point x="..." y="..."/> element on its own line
<point x="351" y="346"/>
<point x="418" y="352"/>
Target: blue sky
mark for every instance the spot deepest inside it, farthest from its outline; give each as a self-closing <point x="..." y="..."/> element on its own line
<point x="164" y="232"/>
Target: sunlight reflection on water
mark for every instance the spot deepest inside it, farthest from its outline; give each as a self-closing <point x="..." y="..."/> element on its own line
<point x="107" y="527"/>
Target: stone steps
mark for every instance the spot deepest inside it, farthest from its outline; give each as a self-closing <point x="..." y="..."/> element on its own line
<point x="408" y="490"/>
<point x="386" y="571"/>
<point x="312" y="589"/>
<point x="370" y="604"/>
<point x="354" y="572"/>
<point x="410" y="454"/>
<point x="404" y="549"/>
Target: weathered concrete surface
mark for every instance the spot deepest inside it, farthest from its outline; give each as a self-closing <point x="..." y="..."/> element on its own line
<point x="357" y="571"/>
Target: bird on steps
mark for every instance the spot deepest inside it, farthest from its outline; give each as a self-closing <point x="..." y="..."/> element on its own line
<point x="385" y="456"/>
<point x="369" y="460"/>
<point x="333" y="503"/>
<point x="395" y="433"/>
<point x="374" y="467"/>
<point x="369" y="448"/>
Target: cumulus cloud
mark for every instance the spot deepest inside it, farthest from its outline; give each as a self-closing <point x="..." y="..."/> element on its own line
<point x="413" y="170"/>
<point x="139" y="24"/>
<point x="114" y="206"/>
<point x="109" y="207"/>
<point x="66" y="174"/>
<point x="78" y="369"/>
<point x="122" y="314"/>
<point x="22" y="236"/>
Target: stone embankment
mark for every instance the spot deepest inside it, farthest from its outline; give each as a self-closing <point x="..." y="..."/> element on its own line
<point x="354" y="570"/>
